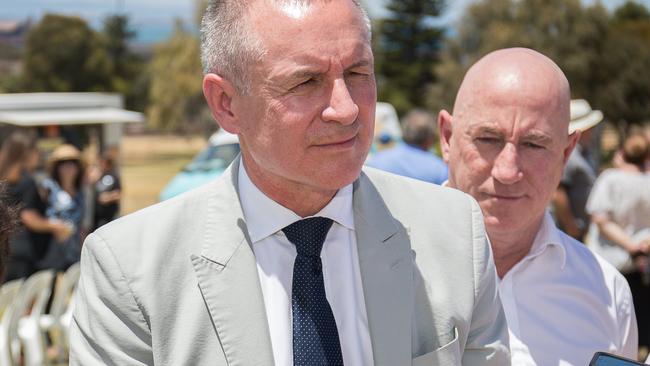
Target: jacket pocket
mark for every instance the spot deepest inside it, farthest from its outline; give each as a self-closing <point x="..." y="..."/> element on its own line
<point x="447" y="355"/>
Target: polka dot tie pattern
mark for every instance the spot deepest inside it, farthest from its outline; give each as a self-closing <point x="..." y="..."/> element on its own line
<point x="315" y="337"/>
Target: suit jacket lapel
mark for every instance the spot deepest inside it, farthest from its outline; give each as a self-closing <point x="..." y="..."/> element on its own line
<point x="228" y="279"/>
<point x="386" y="273"/>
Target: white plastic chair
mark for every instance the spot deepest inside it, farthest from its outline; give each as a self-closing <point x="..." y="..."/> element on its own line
<point x="60" y="315"/>
<point x="31" y="303"/>
<point x="9" y="350"/>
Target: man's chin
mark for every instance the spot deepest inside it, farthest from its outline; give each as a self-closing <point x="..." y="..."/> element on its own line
<point x="500" y="224"/>
<point x="336" y="182"/>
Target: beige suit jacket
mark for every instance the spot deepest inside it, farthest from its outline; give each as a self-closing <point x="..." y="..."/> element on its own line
<point x="177" y="284"/>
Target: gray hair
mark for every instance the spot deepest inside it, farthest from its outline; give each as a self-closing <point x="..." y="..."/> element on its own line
<point x="418" y="127"/>
<point x="229" y="47"/>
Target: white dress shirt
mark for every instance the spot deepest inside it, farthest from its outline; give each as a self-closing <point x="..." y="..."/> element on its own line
<point x="563" y="303"/>
<point x="275" y="256"/>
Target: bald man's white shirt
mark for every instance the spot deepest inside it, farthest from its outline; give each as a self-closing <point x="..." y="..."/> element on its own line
<point x="275" y="256"/>
<point x="563" y="304"/>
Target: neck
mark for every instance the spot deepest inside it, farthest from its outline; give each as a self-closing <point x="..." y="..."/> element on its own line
<point x="69" y="187"/>
<point x="509" y="247"/>
<point x="629" y="167"/>
<point x="299" y="198"/>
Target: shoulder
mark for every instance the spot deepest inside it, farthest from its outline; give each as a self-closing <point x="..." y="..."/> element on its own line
<point x="439" y="219"/>
<point x="169" y="226"/>
<point x="26" y="183"/>
<point x="399" y="190"/>
<point x="597" y="271"/>
<point x="610" y="175"/>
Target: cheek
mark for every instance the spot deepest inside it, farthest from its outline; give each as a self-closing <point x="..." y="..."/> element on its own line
<point x="544" y="173"/>
<point x="68" y="170"/>
<point x="475" y="168"/>
<point x="363" y="92"/>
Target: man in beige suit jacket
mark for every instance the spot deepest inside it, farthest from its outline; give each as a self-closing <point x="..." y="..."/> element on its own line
<point x="179" y="283"/>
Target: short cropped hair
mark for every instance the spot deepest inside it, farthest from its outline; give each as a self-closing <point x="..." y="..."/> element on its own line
<point x="635" y="149"/>
<point x="418" y="127"/>
<point x="228" y="44"/>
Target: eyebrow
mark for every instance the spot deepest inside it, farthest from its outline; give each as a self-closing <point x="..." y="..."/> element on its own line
<point x="537" y="137"/>
<point x="474" y="130"/>
<point x="304" y="74"/>
<point x="309" y="72"/>
<point x="533" y="136"/>
<point x="360" y="63"/>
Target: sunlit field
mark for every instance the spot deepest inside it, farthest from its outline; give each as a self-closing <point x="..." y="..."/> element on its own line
<point x="149" y="163"/>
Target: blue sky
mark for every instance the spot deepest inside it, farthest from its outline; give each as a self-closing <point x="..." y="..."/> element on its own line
<point x="153" y="19"/>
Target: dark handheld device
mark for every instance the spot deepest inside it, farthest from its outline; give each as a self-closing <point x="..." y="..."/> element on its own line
<point x="606" y="359"/>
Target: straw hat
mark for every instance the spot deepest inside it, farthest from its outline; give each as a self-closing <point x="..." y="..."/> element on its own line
<point x="582" y="116"/>
<point x="64" y="152"/>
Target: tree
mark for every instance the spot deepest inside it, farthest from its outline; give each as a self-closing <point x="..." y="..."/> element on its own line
<point x="564" y="30"/>
<point x="176" y="97"/>
<point x="117" y="34"/>
<point x="407" y="44"/>
<point x="63" y="54"/>
<point x="604" y="56"/>
<point x="631" y="11"/>
<point x="625" y="95"/>
<point x="128" y="76"/>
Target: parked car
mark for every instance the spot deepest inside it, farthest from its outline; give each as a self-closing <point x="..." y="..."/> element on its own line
<point x="222" y="149"/>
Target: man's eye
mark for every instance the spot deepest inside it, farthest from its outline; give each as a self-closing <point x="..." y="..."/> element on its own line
<point x="359" y="75"/>
<point x="532" y="145"/>
<point x="304" y="83"/>
<point x="488" y="140"/>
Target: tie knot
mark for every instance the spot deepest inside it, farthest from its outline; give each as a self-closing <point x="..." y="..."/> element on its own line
<point x="308" y="235"/>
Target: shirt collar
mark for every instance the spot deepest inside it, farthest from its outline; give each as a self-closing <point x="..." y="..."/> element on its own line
<point x="265" y="217"/>
<point x="548" y="236"/>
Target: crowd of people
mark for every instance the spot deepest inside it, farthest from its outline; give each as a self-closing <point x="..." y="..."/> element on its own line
<point x="524" y="252"/>
<point x="298" y="255"/>
<point x="50" y="201"/>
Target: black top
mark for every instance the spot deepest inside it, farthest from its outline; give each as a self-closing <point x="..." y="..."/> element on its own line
<point x="24" y="243"/>
<point x="106" y="213"/>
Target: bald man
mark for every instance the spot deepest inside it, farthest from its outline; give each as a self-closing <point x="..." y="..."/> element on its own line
<point x="506" y="145"/>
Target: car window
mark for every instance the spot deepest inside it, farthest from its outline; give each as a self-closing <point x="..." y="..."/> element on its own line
<point x="214" y="157"/>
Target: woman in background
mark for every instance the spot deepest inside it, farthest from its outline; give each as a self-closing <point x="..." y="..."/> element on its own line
<point x="30" y="240"/>
<point x="619" y="205"/>
<point x="107" y="189"/>
<point x="65" y="203"/>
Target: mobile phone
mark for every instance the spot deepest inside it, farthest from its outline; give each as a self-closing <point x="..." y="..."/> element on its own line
<point x="607" y="359"/>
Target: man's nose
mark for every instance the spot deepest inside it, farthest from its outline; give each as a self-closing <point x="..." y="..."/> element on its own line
<point x="341" y="107"/>
<point x="506" y="168"/>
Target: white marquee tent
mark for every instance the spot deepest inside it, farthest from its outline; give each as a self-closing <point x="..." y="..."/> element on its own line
<point x="47" y="109"/>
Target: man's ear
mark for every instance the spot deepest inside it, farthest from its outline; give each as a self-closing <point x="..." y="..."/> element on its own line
<point x="573" y="140"/>
<point x="219" y="93"/>
<point x="445" y="129"/>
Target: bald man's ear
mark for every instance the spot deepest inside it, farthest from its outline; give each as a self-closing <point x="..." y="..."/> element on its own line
<point x="219" y="93"/>
<point x="444" y="126"/>
<point x="571" y="144"/>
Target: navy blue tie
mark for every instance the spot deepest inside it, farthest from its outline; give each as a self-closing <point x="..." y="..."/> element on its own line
<point x="315" y="337"/>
